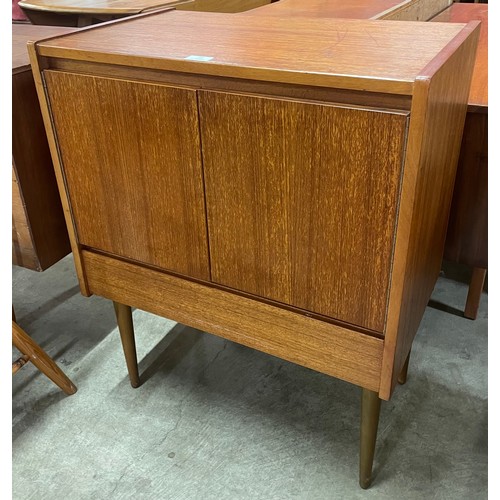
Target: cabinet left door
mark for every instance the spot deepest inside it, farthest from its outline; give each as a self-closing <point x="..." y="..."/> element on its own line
<point x="130" y="154"/>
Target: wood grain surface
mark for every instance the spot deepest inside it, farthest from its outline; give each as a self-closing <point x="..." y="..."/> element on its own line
<point x="131" y="157"/>
<point x="353" y="9"/>
<point x="407" y="10"/>
<point x="206" y="82"/>
<point x="301" y="201"/>
<point x="341" y="53"/>
<point x="327" y="348"/>
<point x="465" y="12"/>
<point x="23" y="248"/>
<point x="35" y="179"/>
<point x="37" y="65"/>
<point x="435" y="132"/>
<point x="21" y="34"/>
<point x="96" y="6"/>
<point x="34" y="353"/>
<point x="415" y="10"/>
<point x="467" y="237"/>
<point x="39" y="235"/>
<point x="352" y="56"/>
<point x="223" y="5"/>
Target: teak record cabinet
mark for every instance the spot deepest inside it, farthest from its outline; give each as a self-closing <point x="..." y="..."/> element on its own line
<point x="282" y="183"/>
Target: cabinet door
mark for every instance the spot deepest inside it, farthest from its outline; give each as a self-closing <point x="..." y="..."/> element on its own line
<point x="131" y="158"/>
<point x="302" y="200"/>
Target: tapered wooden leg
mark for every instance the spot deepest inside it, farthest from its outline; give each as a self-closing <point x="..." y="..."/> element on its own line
<point x="370" y="412"/>
<point x="404" y="372"/>
<point x="33" y="352"/>
<point x="126" y="328"/>
<point x="475" y="289"/>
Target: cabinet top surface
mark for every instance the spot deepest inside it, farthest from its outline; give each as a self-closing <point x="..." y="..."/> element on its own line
<point x="22" y="33"/>
<point x="97" y="6"/>
<point x="463" y="13"/>
<point x="382" y="56"/>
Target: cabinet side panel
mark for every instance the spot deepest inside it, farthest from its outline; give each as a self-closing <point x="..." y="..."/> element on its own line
<point x="301" y="201"/>
<point x="131" y="157"/>
<point x="436" y="125"/>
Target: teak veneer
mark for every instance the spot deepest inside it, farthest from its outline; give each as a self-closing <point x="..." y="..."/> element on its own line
<point x="396" y="10"/>
<point x="283" y="183"/>
<point x="81" y="13"/>
<point x="39" y="234"/>
<point x="467" y="237"/>
<point x="223" y="5"/>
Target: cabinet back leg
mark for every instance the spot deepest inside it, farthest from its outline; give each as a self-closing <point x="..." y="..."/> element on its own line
<point x="475" y="289"/>
<point x="404" y="372"/>
<point x="126" y="328"/>
<point x="370" y="412"/>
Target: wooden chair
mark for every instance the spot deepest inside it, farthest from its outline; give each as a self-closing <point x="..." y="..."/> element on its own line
<point x="31" y="351"/>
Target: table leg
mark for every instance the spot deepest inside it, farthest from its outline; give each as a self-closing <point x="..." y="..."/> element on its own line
<point x="475" y="290"/>
<point x="370" y="412"/>
<point x="126" y="328"/>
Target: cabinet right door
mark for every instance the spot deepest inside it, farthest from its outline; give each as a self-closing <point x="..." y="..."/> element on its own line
<point x="302" y="200"/>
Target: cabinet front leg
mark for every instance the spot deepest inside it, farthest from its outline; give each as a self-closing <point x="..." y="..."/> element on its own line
<point x="126" y="328"/>
<point x="370" y="412"/>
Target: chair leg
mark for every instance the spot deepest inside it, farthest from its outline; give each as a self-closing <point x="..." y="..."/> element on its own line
<point x="18" y="364"/>
<point x="370" y="412"/>
<point x="404" y="372"/>
<point x="475" y="289"/>
<point x="28" y="347"/>
<point x="126" y="328"/>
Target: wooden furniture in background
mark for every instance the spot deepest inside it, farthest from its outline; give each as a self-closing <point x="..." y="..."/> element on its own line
<point x="31" y="351"/>
<point x="223" y="5"/>
<point x="416" y="10"/>
<point x="467" y="238"/>
<point x="18" y="16"/>
<point x="39" y="234"/>
<point x="80" y="13"/>
<point x="324" y="255"/>
<point x="397" y="10"/>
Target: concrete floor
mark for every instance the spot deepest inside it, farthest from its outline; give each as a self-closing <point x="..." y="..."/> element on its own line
<point x="215" y="420"/>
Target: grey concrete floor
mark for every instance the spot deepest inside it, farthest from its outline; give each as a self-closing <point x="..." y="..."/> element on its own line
<point x="215" y="420"/>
